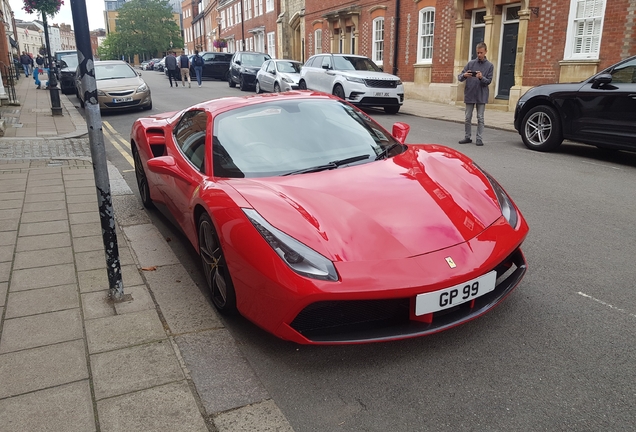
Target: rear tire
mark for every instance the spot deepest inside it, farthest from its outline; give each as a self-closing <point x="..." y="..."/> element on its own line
<point x="217" y="275"/>
<point x="541" y="129"/>
<point x="142" y="180"/>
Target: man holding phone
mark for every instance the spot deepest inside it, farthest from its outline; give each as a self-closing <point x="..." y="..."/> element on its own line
<point x="478" y="75"/>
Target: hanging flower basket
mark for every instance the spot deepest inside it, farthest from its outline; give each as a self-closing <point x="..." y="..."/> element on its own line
<point x="219" y="43"/>
<point x="49" y="7"/>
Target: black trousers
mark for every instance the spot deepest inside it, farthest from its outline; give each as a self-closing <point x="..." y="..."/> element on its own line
<point x="174" y="74"/>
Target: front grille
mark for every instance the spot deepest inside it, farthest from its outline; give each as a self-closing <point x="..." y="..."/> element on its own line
<point x="122" y="104"/>
<point x="121" y="93"/>
<point x="379" y="101"/>
<point x="367" y="320"/>
<point x="375" y="83"/>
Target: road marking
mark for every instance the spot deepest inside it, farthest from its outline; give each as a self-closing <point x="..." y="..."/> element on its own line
<point x="115" y="138"/>
<point x="602" y="165"/>
<point x="606" y="304"/>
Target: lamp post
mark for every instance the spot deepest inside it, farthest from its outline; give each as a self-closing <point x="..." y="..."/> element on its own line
<point x="56" y="105"/>
<point x="218" y="33"/>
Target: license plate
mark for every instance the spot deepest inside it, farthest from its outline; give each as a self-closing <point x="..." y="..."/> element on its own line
<point x="455" y="295"/>
<point x="122" y="99"/>
<point x="381" y="94"/>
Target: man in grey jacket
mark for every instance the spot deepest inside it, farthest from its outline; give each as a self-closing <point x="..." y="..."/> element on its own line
<point x="478" y="75"/>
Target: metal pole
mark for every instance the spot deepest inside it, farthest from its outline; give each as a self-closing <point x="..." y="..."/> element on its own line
<point x="98" y="151"/>
<point x="56" y="105"/>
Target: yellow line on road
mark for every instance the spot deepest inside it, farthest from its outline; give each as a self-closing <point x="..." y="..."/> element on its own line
<point x="114" y="137"/>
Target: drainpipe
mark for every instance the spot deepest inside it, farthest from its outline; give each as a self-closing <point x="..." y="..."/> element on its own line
<point x="397" y="35"/>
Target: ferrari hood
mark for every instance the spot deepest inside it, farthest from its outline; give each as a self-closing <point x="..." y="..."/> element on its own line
<point x="425" y="199"/>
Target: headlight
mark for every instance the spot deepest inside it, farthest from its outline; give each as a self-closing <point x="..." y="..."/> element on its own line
<point x="287" y="80"/>
<point x="100" y="93"/>
<point x="399" y="82"/>
<point x="142" y="88"/>
<point x="505" y="203"/>
<point x="355" y="79"/>
<point x="300" y="258"/>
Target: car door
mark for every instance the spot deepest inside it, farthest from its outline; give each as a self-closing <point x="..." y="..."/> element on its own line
<point x="208" y="63"/>
<point x="269" y="76"/>
<point x="607" y="112"/>
<point x="192" y="147"/>
<point x="235" y="67"/>
<point x="311" y="72"/>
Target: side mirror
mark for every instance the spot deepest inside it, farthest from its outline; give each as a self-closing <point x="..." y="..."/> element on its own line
<point x="400" y="131"/>
<point x="601" y="79"/>
<point x="238" y="62"/>
<point x="326" y="67"/>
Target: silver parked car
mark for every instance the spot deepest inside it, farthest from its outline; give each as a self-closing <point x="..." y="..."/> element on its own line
<point x="278" y="75"/>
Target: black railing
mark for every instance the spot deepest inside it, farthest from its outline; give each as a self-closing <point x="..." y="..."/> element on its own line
<point x="10" y="74"/>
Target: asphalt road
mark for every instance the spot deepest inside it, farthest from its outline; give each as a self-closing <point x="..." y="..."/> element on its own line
<point x="558" y="355"/>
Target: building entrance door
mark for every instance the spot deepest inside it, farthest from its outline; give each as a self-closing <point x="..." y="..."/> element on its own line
<point x="508" y="58"/>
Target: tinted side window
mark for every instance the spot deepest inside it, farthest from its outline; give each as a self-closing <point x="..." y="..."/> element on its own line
<point x="625" y="73"/>
<point x="271" y="66"/>
<point x="326" y="61"/>
<point x="190" y="137"/>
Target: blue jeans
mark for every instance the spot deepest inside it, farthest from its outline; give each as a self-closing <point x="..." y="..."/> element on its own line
<point x="480" y="120"/>
<point x="26" y="69"/>
<point x="198" y="70"/>
<point x="36" y="74"/>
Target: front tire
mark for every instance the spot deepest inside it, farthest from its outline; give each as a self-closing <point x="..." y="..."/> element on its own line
<point x="242" y="84"/>
<point x="215" y="268"/>
<point x="142" y="180"/>
<point x="276" y="88"/>
<point x="541" y="129"/>
<point x="302" y="85"/>
<point x="338" y="92"/>
<point x="258" y="88"/>
<point x="230" y="81"/>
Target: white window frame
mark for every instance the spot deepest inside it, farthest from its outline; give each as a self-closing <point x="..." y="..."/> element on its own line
<point x="222" y="19"/>
<point x="318" y="41"/>
<point x="269" y="5"/>
<point x="425" y="35"/>
<point x="377" y="53"/>
<point x="271" y="44"/>
<point x="583" y="40"/>
<point x="258" y="8"/>
<point x="238" y="13"/>
<point x="247" y="5"/>
<point x="230" y="17"/>
<point x="352" y="41"/>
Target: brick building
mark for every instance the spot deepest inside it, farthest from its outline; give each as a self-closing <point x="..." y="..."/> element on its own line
<point x="428" y="42"/>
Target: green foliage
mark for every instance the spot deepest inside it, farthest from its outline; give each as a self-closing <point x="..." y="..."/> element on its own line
<point x="144" y="27"/>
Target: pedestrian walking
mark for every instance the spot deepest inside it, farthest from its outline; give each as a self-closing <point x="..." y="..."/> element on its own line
<point x="184" y="65"/>
<point x="478" y="75"/>
<point x="197" y="63"/>
<point x="25" y="61"/>
<point x="171" y="66"/>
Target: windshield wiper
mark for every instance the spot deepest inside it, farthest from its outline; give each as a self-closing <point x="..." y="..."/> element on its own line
<point x="330" y="165"/>
<point x="385" y="153"/>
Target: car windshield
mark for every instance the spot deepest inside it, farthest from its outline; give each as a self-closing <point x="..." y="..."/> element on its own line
<point x="253" y="60"/>
<point x="113" y="71"/>
<point x="285" y="137"/>
<point x="288" y="67"/>
<point x="354" y="63"/>
<point x="69" y="61"/>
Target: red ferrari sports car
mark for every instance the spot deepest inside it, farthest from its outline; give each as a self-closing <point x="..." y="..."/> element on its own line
<point x="321" y="227"/>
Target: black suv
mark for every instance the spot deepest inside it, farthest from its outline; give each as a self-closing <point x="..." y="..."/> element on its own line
<point x="215" y="65"/>
<point x="243" y="68"/>
<point x="67" y="63"/>
<point x="600" y="111"/>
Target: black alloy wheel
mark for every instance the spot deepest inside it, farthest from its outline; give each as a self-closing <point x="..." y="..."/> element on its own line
<point x="215" y="268"/>
<point x="142" y="180"/>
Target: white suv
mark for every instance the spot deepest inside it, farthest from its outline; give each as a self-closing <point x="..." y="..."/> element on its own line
<point x="353" y="78"/>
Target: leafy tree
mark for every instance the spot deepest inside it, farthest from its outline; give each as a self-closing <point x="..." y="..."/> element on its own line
<point x="144" y="27"/>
